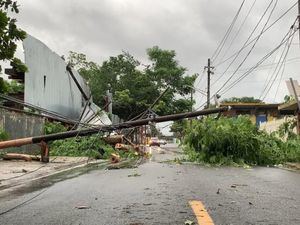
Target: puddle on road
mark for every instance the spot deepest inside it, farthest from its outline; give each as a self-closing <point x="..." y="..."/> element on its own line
<point x="39" y="184"/>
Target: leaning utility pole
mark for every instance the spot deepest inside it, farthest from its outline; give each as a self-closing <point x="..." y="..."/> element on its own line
<point x="209" y="72"/>
<point x="43" y="139"/>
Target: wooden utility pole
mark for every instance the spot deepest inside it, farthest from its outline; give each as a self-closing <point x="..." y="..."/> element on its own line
<point x="299" y="18"/>
<point x="106" y="128"/>
<point x="209" y="72"/>
<point x="298" y="103"/>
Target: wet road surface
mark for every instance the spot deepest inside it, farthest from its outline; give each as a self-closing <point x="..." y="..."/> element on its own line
<point x="163" y="193"/>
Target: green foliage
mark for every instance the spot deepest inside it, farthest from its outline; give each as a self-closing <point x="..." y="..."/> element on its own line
<point x="9" y="32"/>
<point x="134" y="87"/>
<point x="3" y="135"/>
<point x="10" y="87"/>
<point x="4" y="85"/>
<point x="178" y="128"/>
<point x="289" y="99"/>
<point x="242" y="100"/>
<point x="285" y="130"/>
<point x="91" y="146"/>
<point x="18" y="65"/>
<point x="236" y="140"/>
<point x="54" y="127"/>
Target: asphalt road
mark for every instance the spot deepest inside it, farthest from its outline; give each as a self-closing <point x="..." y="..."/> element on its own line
<point x="161" y="193"/>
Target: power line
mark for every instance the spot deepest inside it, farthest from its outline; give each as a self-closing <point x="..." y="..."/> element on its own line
<point x="260" y="62"/>
<point x="281" y="66"/>
<point x="267" y="66"/>
<point x="224" y="39"/>
<point x="239" y="30"/>
<point x="284" y="40"/>
<point x="269" y="78"/>
<point x="252" y="47"/>
<point x="23" y="203"/>
<point x="252" y="40"/>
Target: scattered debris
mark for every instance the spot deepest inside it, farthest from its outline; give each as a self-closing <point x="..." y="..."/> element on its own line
<point x="114" y="139"/>
<point x="82" y="207"/>
<point x="134" y="175"/>
<point x="17" y="156"/>
<point x="123" y="147"/>
<point x="182" y="212"/>
<point x="128" y="164"/>
<point x="177" y="161"/>
<point x="238" y="185"/>
<point x="115" y="158"/>
<point x="189" y="222"/>
<point x="146" y="204"/>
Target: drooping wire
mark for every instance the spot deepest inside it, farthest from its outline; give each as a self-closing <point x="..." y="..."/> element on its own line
<point x="23" y="203"/>
<point x="271" y="75"/>
<point x="286" y="38"/>
<point x="280" y="67"/>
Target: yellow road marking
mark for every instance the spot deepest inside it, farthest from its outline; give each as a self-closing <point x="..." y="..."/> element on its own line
<point x="202" y="215"/>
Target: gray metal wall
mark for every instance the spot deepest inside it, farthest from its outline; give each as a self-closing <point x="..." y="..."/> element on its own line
<point x="48" y="84"/>
<point x="19" y="125"/>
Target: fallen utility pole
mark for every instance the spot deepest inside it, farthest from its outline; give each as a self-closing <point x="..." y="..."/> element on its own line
<point x="85" y="132"/>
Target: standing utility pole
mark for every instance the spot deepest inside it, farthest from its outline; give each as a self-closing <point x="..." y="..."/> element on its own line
<point x="298" y="103"/>
<point x="209" y="72"/>
<point x="299" y="18"/>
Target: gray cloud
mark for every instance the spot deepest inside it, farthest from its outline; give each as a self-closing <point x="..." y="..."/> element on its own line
<point x="193" y="28"/>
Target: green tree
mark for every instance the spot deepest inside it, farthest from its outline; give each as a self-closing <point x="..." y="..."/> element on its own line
<point x="9" y="32"/>
<point x="135" y="88"/>
<point x="10" y="87"/>
<point x="178" y="128"/>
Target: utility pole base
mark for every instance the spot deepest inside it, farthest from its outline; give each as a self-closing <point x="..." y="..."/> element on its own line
<point x="44" y="152"/>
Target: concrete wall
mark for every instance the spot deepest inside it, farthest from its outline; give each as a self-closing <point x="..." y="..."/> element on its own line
<point x="19" y="125"/>
<point x="274" y="124"/>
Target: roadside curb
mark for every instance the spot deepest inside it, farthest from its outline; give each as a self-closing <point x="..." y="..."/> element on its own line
<point x="293" y="166"/>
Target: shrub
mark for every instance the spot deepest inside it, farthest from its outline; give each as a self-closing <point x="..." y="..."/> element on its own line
<point x="91" y="146"/>
<point x="3" y="135"/>
<point x="236" y="140"/>
<point x="54" y="127"/>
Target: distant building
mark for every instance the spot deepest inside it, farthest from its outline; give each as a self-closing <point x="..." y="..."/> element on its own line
<point x="258" y="112"/>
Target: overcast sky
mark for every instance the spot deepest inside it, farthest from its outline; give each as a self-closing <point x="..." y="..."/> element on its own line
<point x="193" y="28"/>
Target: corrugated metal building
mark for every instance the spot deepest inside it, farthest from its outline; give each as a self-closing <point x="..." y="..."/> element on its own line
<point x="49" y="85"/>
